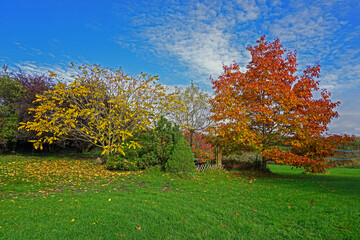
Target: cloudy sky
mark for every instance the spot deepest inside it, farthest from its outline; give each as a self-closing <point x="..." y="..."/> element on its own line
<point x="183" y="40"/>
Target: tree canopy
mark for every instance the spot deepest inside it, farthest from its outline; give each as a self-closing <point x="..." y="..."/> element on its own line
<point x="272" y="110"/>
<point x="101" y="106"/>
<point x="10" y="94"/>
<point x="196" y="117"/>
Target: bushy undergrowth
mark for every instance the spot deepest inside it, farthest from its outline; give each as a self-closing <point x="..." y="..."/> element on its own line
<point x="344" y="163"/>
<point x="156" y="147"/>
<point x="239" y="160"/>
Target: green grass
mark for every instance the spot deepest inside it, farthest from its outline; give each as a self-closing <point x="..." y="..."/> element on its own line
<point x="154" y="205"/>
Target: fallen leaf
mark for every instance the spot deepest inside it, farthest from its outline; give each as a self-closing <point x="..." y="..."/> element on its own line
<point x="255" y="210"/>
<point x="138" y="228"/>
<point x="224" y="225"/>
<point x="236" y="214"/>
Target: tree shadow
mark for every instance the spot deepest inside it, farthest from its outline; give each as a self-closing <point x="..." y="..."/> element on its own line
<point x="344" y="183"/>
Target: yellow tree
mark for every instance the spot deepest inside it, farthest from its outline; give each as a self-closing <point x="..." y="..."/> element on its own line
<point x="100" y="106"/>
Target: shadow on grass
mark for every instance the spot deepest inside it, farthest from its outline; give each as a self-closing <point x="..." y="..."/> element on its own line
<point x="342" y="180"/>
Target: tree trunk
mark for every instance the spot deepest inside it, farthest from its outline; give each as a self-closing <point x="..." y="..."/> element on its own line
<point x="85" y="147"/>
<point x="14" y="145"/>
<point x="264" y="165"/>
<point x="261" y="164"/>
<point x="51" y="148"/>
<point x="191" y="137"/>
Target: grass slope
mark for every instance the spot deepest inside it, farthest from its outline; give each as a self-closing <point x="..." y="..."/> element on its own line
<point x="51" y="198"/>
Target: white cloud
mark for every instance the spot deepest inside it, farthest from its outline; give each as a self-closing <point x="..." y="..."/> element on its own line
<point x="348" y="122"/>
<point x="204" y="50"/>
<point x="197" y="39"/>
<point x="318" y="35"/>
<point x="33" y="67"/>
<point x="307" y="30"/>
<point x="275" y="3"/>
<point x="342" y="79"/>
<point x="248" y="10"/>
<point x="198" y="34"/>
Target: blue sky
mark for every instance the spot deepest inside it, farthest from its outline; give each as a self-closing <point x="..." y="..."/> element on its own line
<point x="187" y="40"/>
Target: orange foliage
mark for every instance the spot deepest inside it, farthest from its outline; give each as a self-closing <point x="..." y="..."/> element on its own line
<point x="272" y="110"/>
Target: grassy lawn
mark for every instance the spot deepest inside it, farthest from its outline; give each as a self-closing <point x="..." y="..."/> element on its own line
<point x="59" y="198"/>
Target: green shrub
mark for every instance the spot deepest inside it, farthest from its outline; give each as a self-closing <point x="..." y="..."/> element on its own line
<point x="168" y="135"/>
<point x="119" y="162"/>
<point x="11" y="92"/>
<point x="181" y="160"/>
<point x="156" y="147"/>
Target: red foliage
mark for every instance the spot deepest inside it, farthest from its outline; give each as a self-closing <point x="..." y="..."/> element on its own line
<point x="201" y="148"/>
<point x="33" y="84"/>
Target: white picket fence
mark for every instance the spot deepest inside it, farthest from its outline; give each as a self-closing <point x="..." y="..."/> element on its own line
<point x="204" y="167"/>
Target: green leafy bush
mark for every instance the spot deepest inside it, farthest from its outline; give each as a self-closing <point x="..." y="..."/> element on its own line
<point x="10" y="94"/>
<point x="168" y="134"/>
<point x="118" y="162"/>
<point x="156" y="147"/>
<point x="181" y="160"/>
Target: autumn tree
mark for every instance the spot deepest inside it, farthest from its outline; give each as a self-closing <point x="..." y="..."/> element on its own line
<point x="18" y="91"/>
<point x="270" y="109"/>
<point x="100" y="106"/>
<point x="32" y="84"/>
<point x="201" y="147"/>
<point x="196" y="117"/>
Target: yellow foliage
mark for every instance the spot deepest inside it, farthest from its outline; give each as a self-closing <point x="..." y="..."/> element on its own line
<point x="57" y="171"/>
<point x="101" y="106"/>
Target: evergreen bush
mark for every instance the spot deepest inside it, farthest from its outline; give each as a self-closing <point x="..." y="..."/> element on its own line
<point x="181" y="160"/>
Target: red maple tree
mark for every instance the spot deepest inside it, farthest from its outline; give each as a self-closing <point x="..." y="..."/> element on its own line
<point x="271" y="110"/>
<point x="201" y="148"/>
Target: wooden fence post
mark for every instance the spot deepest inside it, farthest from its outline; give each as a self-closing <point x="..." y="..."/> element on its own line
<point x="219" y="157"/>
